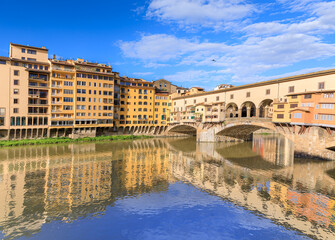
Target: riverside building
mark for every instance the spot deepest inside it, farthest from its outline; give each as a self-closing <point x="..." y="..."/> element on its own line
<point x="43" y="97"/>
<point x="141" y="108"/>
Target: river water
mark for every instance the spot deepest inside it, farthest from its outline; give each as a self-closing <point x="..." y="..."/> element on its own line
<point x="170" y="188"/>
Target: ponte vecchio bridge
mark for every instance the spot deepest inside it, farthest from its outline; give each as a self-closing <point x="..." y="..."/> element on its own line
<point x="237" y="112"/>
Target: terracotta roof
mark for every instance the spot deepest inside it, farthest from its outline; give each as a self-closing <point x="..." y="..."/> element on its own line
<point x="4" y="58"/>
<point x="59" y="62"/>
<point x="305" y="109"/>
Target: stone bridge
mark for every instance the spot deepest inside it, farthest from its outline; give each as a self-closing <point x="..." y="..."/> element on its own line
<point x="309" y="141"/>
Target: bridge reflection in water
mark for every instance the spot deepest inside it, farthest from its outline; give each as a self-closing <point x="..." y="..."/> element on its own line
<point x="68" y="182"/>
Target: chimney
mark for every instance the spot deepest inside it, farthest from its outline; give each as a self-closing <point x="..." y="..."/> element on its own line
<point x="44" y="47"/>
<point x="54" y="57"/>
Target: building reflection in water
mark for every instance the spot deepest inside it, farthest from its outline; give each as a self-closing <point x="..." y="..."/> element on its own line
<point x="261" y="177"/>
<point x="67" y="182"/>
<point x="64" y="182"/>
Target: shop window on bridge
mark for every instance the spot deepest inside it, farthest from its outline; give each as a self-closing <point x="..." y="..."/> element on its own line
<point x="297" y="115"/>
<point x="281" y="106"/>
<point x="280" y="116"/>
<point x="328" y="95"/>
<point x="308" y="96"/>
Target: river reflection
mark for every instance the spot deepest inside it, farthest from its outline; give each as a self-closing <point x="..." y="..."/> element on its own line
<point x="65" y="183"/>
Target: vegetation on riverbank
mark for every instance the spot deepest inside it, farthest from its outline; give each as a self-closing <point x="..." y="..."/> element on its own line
<point x="23" y="142"/>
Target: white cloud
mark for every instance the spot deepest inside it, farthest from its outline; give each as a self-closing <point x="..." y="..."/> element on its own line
<point x="163" y="47"/>
<point x="261" y="46"/>
<point x="204" y="13"/>
<point x="254" y="56"/>
<point x="143" y="73"/>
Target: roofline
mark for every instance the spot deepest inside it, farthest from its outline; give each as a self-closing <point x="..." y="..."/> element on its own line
<point x="264" y="83"/>
<point x="311" y="92"/>
<point x="37" y="48"/>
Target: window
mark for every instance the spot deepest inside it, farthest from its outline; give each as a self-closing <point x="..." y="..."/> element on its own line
<point x="328" y="95"/>
<point x="34" y="60"/>
<point x="280" y="116"/>
<point x="66" y="83"/>
<point x="326" y="117"/>
<point x="291" y="89"/>
<point x="16" y="101"/>
<point x="67" y="107"/>
<point x="67" y="91"/>
<point x="321" y="85"/>
<point x="16" y="91"/>
<point x="267" y="92"/>
<point x="308" y="96"/>
<point x="31" y="51"/>
<point x="16" y="82"/>
<point x="67" y="99"/>
<point x="2" y="62"/>
<point x="294" y="96"/>
<point x="16" y="72"/>
<point x="297" y="115"/>
<point x="205" y="99"/>
<point x="316" y="116"/>
<point x="327" y="106"/>
<point x="281" y="106"/>
<point x="293" y="105"/>
<point x="231" y="96"/>
<point x="194" y="101"/>
<point x="248" y="94"/>
<point x="15" y="110"/>
<point x="23" y="50"/>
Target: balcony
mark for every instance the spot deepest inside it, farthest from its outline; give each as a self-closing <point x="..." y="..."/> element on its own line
<point x="36" y="77"/>
<point x="37" y="104"/>
<point x="56" y="110"/>
<point x="58" y="102"/>
<point x="35" y="85"/>
<point x="56" y="86"/>
<point x="37" y="113"/>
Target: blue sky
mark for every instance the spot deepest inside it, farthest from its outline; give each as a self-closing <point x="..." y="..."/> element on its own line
<point x="189" y="42"/>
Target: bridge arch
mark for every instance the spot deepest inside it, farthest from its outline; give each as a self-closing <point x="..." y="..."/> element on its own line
<point x="248" y="109"/>
<point x="183" y="129"/>
<point x="244" y="131"/>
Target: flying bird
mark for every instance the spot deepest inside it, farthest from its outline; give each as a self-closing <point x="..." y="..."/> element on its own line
<point x="213" y="60"/>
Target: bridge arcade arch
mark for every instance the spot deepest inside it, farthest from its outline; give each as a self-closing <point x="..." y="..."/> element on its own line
<point x="232" y="110"/>
<point x="248" y="109"/>
<point x="265" y="108"/>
